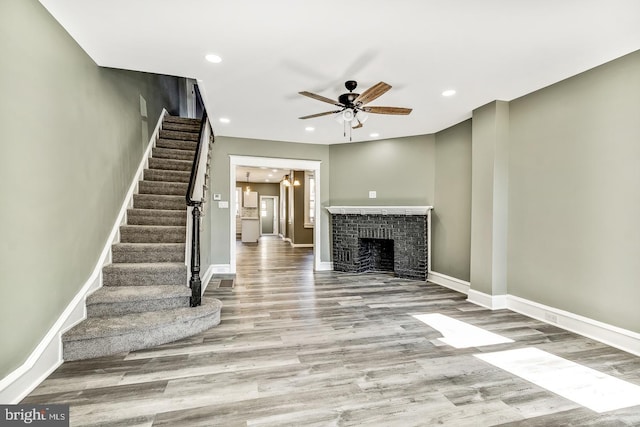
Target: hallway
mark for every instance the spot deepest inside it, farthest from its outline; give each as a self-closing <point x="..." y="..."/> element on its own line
<point x="300" y="348"/>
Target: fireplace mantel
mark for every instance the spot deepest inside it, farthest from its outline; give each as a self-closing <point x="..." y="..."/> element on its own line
<point x="379" y="210"/>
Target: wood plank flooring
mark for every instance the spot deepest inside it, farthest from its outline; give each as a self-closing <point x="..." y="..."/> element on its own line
<point x="299" y="348"/>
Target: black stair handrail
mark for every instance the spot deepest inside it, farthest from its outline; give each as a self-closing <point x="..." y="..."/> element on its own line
<point x="195" y="282"/>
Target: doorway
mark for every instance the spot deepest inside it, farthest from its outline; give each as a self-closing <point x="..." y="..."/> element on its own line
<point x="268" y="215"/>
<point x="279" y="163"/>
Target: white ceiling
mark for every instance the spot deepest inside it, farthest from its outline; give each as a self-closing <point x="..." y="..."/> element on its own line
<point x="486" y="50"/>
<point x="262" y="174"/>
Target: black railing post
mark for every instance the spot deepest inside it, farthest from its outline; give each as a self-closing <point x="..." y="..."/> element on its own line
<point x="194" y="282"/>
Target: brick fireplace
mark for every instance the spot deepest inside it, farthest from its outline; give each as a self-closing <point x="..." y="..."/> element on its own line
<point x="382" y="238"/>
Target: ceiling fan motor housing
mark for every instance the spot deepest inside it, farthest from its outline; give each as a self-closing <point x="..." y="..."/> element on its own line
<point x="348" y="98"/>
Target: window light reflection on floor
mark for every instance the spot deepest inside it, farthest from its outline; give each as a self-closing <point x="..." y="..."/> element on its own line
<point x="459" y="334"/>
<point x="585" y="386"/>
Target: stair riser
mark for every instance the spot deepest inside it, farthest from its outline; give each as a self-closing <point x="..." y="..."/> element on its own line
<point x="126" y="255"/>
<point x="104" y="346"/>
<point x="119" y="308"/>
<point x="181" y="127"/>
<point x="166" y="176"/>
<point x="152" y="236"/>
<point x="144" y="278"/>
<point x="173" y="144"/>
<point x="151" y="201"/>
<point x="168" y="164"/>
<point x="163" y="188"/>
<point x="166" y="153"/>
<point x="181" y="136"/>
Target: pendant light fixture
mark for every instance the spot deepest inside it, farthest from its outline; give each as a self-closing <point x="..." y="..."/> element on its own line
<point x="248" y="190"/>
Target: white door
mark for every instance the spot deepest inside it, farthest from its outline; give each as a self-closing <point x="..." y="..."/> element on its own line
<point x="268" y="215"/>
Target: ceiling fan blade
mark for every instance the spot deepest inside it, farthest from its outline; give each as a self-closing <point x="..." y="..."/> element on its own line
<point x="387" y="110"/>
<point x="320" y="98"/>
<point x="372" y="93"/>
<point x="326" y="113"/>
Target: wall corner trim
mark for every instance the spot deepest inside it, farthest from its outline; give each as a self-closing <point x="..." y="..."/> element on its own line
<point x="47" y="355"/>
<point x="449" y="282"/>
<point x="492" y="302"/>
<point x="614" y="336"/>
<point x="324" y="266"/>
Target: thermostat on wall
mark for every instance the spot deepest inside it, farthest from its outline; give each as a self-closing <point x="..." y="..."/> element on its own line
<point x="217" y="197"/>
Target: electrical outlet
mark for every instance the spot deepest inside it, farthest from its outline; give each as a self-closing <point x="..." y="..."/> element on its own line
<point x="372" y="194"/>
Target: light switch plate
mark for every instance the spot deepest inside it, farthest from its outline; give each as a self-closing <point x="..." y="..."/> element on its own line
<point x="372" y="194"/>
<point x="223" y="205"/>
<point x="217" y="197"/>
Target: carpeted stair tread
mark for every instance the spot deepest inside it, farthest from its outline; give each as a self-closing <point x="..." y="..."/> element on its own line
<point x="152" y="234"/>
<point x="147" y="252"/>
<point x="178" y="119"/>
<point x="163" y="188"/>
<point x="170" y="164"/>
<point x="165" y="217"/>
<point x="179" y="135"/>
<point x="166" y="175"/>
<point x="101" y="336"/>
<point x="169" y="153"/>
<point x="160" y="201"/>
<point x="182" y="127"/>
<point x="112" y="300"/>
<point x="175" y="144"/>
<point x="145" y="274"/>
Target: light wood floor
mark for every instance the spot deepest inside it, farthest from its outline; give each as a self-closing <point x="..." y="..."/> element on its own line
<point x="325" y="349"/>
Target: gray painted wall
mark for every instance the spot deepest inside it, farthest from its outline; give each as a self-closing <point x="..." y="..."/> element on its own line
<point x="225" y="146"/>
<point x="451" y="217"/>
<point x="401" y="171"/>
<point x="489" y="183"/>
<point x="574" y="194"/>
<point x="71" y="138"/>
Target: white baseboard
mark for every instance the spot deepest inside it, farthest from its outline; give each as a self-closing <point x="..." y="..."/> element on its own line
<point x="324" y="266"/>
<point x="608" y="334"/>
<point x="300" y="245"/>
<point x="449" y="282"/>
<point x="47" y="355"/>
<point x="221" y="269"/>
<point x="493" y="302"/>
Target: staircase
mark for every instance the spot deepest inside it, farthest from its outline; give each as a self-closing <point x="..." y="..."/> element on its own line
<point x="144" y="300"/>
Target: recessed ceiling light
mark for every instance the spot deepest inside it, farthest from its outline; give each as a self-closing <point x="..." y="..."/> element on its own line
<point x="274" y="170"/>
<point x="266" y="180"/>
<point x="270" y="175"/>
<point x="309" y="128"/>
<point x="449" y="92"/>
<point x="213" y="58"/>
<point x="374" y="135"/>
<point x="224" y="120"/>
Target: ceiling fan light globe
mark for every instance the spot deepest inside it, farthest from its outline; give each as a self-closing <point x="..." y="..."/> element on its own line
<point x="362" y="116"/>
<point x="348" y="115"/>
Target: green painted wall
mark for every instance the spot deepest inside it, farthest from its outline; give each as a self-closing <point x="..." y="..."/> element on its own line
<point x="451" y="217"/>
<point x="574" y="194"/>
<point x="225" y="146"/>
<point x="401" y="171"/>
<point x="71" y="138"/>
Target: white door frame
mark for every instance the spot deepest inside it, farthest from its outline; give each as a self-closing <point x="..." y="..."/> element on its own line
<point x="276" y="163"/>
<point x="276" y="215"/>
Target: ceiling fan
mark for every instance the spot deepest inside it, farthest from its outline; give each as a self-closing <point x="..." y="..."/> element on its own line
<point x="353" y="107"/>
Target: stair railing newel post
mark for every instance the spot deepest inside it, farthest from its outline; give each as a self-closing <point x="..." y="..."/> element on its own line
<point x="196" y="204"/>
<point x="195" y="283"/>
